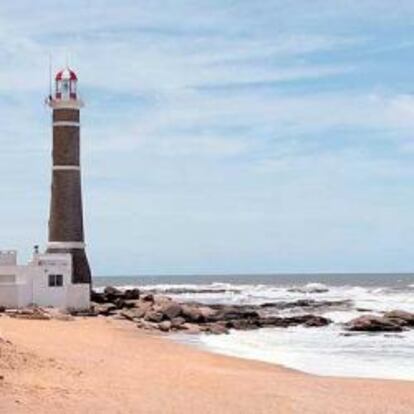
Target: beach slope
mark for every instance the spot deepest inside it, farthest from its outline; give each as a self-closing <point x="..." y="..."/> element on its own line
<point x="108" y="366"/>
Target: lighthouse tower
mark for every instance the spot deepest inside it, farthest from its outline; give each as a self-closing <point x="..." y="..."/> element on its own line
<point x="66" y="234"/>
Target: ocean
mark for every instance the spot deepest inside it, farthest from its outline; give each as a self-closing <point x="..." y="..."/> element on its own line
<point x="322" y="351"/>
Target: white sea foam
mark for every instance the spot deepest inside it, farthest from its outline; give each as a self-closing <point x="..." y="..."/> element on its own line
<point x="322" y="351"/>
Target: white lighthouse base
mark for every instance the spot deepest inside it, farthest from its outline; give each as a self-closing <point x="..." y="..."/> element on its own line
<point x="45" y="281"/>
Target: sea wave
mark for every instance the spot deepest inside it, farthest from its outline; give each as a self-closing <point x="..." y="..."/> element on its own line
<point x="374" y="299"/>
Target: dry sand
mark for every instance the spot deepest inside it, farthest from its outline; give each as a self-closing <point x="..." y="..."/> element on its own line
<point x="107" y="366"/>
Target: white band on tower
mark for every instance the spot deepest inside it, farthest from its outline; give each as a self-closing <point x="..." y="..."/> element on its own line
<point x="66" y="123"/>
<point x="66" y="168"/>
<point x="66" y="245"/>
<point x="66" y="103"/>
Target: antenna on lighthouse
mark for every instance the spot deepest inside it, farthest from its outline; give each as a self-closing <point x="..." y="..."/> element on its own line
<point x="50" y="76"/>
<point x="50" y="96"/>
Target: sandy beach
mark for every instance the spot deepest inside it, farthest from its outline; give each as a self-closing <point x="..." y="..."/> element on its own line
<point x="108" y="366"/>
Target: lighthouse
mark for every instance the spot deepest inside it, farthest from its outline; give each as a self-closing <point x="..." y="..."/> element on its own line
<point x="66" y="232"/>
<point x="61" y="276"/>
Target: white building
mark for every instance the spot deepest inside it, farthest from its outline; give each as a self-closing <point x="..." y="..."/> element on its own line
<point x="45" y="281"/>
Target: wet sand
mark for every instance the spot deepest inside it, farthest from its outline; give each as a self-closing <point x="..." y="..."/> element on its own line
<point x="102" y="365"/>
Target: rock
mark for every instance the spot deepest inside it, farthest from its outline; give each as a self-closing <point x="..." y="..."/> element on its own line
<point x="35" y="313"/>
<point x="60" y="315"/>
<point x="153" y="316"/>
<point x="112" y="293"/>
<point x="164" y="326"/>
<point x="128" y="314"/>
<point x="147" y="298"/>
<point x="226" y="313"/>
<point x="372" y="323"/>
<point x="207" y="313"/>
<point x="217" y="329"/>
<point x="272" y="321"/>
<point x="105" y="308"/>
<point x="243" y="324"/>
<point x="2" y="309"/>
<point x="131" y="303"/>
<point x="191" y="328"/>
<point x="310" y="288"/>
<point x="191" y="314"/>
<point x="133" y="313"/>
<point x="399" y="315"/>
<point x="151" y="311"/>
<point x="126" y="303"/>
<point x="132" y="294"/>
<point x="84" y="312"/>
<point x="136" y="312"/>
<point x="170" y="310"/>
<point x="176" y="323"/>
<point x="98" y="297"/>
<point x="300" y="303"/>
<point x="307" y="320"/>
<point x="147" y="325"/>
<point x="110" y="290"/>
<point x="12" y="312"/>
<point x="316" y="321"/>
<point x="307" y="303"/>
<point x="146" y="305"/>
<point x="119" y="303"/>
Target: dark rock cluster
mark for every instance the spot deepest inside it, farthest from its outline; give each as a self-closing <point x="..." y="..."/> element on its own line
<point x="158" y="312"/>
<point x="310" y="304"/>
<point x="394" y="321"/>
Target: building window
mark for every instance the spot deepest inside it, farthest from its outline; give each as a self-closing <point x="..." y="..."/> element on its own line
<point x="7" y="279"/>
<point x="55" y="280"/>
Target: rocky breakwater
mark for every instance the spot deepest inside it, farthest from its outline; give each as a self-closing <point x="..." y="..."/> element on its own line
<point x="159" y="312"/>
<point x="394" y="321"/>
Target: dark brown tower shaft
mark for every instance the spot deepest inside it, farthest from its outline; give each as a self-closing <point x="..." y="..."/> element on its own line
<point x="66" y="219"/>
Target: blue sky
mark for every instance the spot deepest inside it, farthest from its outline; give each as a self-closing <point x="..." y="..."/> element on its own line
<point x="218" y="136"/>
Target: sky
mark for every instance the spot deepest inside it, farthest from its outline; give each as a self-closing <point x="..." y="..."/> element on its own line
<point x="218" y="136"/>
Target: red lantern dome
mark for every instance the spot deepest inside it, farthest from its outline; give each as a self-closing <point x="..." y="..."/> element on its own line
<point x="66" y="73"/>
<point x="65" y="84"/>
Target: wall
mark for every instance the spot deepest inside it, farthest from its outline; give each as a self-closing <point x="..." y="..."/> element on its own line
<point x="9" y="296"/>
<point x="8" y="257"/>
<point x="45" y="265"/>
<point x="24" y="285"/>
<point x="78" y="296"/>
<point x="15" y="288"/>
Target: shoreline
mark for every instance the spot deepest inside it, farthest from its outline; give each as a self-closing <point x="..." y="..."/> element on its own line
<point x="185" y="339"/>
<point x="106" y="365"/>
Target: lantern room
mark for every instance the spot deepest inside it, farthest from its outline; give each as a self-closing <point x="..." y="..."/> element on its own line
<point x="65" y="85"/>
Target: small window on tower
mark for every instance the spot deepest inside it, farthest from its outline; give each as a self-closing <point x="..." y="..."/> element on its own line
<point x="55" y="280"/>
